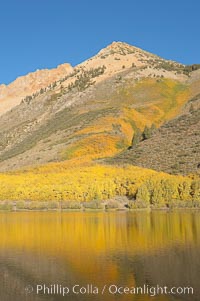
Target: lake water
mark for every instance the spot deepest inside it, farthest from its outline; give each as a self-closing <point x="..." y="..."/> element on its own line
<point x="116" y="249"/>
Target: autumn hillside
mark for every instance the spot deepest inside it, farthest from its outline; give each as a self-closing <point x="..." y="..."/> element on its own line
<point x="56" y="142"/>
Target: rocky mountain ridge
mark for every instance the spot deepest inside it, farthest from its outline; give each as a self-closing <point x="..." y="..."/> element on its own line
<point x="12" y="94"/>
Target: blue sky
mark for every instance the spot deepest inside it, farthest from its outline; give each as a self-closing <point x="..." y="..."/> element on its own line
<point x="44" y="33"/>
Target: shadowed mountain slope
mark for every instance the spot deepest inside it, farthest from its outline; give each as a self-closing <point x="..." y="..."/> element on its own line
<point x="173" y="148"/>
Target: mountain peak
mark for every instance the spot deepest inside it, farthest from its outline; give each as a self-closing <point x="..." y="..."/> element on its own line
<point x="123" y="48"/>
<point x="119" y="47"/>
<point x="117" y="44"/>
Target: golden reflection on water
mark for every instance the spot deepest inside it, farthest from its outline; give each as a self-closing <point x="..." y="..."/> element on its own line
<point x="91" y="247"/>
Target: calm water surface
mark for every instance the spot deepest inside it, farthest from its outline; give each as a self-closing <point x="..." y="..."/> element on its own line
<point x="122" y="248"/>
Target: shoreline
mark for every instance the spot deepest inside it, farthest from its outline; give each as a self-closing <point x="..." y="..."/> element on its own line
<point x="117" y="204"/>
<point x="150" y="209"/>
